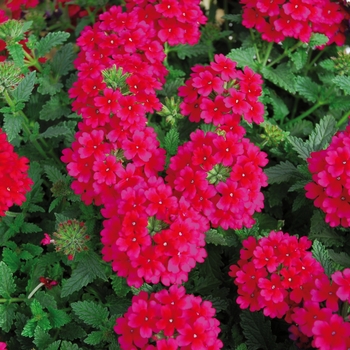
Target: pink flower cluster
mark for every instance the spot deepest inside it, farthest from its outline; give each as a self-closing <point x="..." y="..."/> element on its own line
<point x="277" y="20"/>
<point x="220" y="176"/>
<point x="219" y="93"/>
<point x="3" y="346"/>
<point x="14" y="180"/>
<point x="278" y="275"/>
<point x="330" y="189"/>
<point x="169" y="320"/>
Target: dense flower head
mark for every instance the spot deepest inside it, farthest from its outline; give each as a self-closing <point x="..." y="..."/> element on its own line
<point x="221" y="176"/>
<point x="14" y="179"/>
<point x="168" y="319"/>
<point x="330" y="188"/>
<point x="219" y="93"/>
<point x="277" y="20"/>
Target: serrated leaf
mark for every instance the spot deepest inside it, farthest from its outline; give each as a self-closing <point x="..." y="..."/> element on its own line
<point x="46" y="300"/>
<point x="29" y="227"/>
<point x="280" y="110"/>
<point x="340" y="103"/>
<point x="298" y="185"/>
<point x="307" y="88"/>
<point x="94" y="338"/>
<point x="257" y="330"/>
<point x="119" y="285"/>
<point x="321" y="231"/>
<point x="91" y="313"/>
<point x="54" y="204"/>
<point x="54" y="131"/>
<point x="25" y="87"/>
<point x="281" y="172"/>
<point x="33" y="249"/>
<point x="280" y="76"/>
<point x="42" y="339"/>
<point x="299" y="58"/>
<point x="320" y="253"/>
<point x="301" y="147"/>
<point x="11" y="259"/>
<point x="7" y="285"/>
<point x="55" y="345"/>
<point x="343" y="82"/>
<point x="12" y="126"/>
<point x="322" y="134"/>
<point x="7" y="316"/>
<point x="299" y="202"/>
<point x="62" y="62"/>
<point x="188" y="51"/>
<point x="17" y="54"/>
<point x="48" y="88"/>
<point x="53" y="109"/>
<point x="67" y="345"/>
<point x="53" y="173"/>
<point x="233" y="18"/>
<point x="171" y="141"/>
<point x="340" y="258"/>
<point x="50" y="41"/>
<point x="327" y="64"/>
<point x="58" y="318"/>
<point x="318" y="39"/>
<point x="243" y="57"/>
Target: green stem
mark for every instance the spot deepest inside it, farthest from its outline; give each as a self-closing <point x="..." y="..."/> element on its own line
<point x="255" y="47"/>
<point x="11" y="300"/>
<point x="343" y="119"/>
<point x="285" y="53"/>
<point x="11" y="214"/>
<point x="32" y="62"/>
<point x="306" y="113"/>
<point x="267" y="55"/>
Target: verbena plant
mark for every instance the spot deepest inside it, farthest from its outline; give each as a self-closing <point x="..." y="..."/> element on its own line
<point x="174" y="175"/>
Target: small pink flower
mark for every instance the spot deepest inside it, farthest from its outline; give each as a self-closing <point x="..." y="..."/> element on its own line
<point x="46" y="240"/>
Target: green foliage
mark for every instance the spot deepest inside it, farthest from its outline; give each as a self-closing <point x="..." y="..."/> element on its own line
<point x="243" y="57"/>
<point x="188" y="51"/>
<point x="91" y="313"/>
<point x="318" y="39"/>
<point x="7" y="285"/>
<point x="307" y="88"/>
<point x="320" y="253"/>
<point x="24" y="89"/>
<point x="281" y="76"/>
<point x="51" y="40"/>
<point x="282" y="172"/>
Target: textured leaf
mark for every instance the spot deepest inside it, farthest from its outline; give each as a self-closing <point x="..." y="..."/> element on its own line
<point x="7" y="316"/>
<point x="17" y="54"/>
<point x="243" y="57"/>
<point x="42" y="339"/>
<point x="233" y="18"/>
<point x="91" y="313"/>
<point x="299" y="58"/>
<point x="12" y="126"/>
<point x="62" y="62"/>
<point x="307" y="88"/>
<point x="171" y="141"/>
<point x="281" y="172"/>
<point x="53" y="109"/>
<point x="119" y="286"/>
<point x="184" y="51"/>
<point x="281" y="76"/>
<point x="257" y="330"/>
<point x="341" y="258"/>
<point x="67" y="345"/>
<point x="25" y="87"/>
<point x="320" y="253"/>
<point x="94" y="338"/>
<point x="29" y="227"/>
<point x="11" y="259"/>
<point x="280" y="110"/>
<point x="215" y="237"/>
<point x="53" y="173"/>
<point x="49" y="41"/>
<point x="58" y="318"/>
<point x="343" y="82"/>
<point x="301" y="147"/>
<point x="322" y="134"/>
<point x="54" y="131"/>
<point x="318" y="39"/>
<point x="7" y="284"/>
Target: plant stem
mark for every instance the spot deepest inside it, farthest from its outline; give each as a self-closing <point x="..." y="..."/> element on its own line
<point x="267" y="55"/>
<point x="11" y="300"/>
<point x="255" y="47"/>
<point x="306" y="113"/>
<point x="32" y="62"/>
<point x="343" y="119"/>
<point x="285" y="53"/>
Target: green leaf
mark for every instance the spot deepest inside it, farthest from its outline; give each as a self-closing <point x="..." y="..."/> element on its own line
<point x="7" y="285"/>
<point x="67" y="345"/>
<point x="94" y="338"/>
<point x="29" y="227"/>
<point x="282" y="172"/>
<point x="301" y="147"/>
<point x="321" y="231"/>
<point x="188" y="51"/>
<point x="11" y="259"/>
<point x="220" y="238"/>
<point x="281" y="76"/>
<point x="53" y="109"/>
<point x="53" y="173"/>
<point x="341" y="258"/>
<point x="51" y="40"/>
<point x="7" y="316"/>
<point x="91" y="313"/>
<point x="320" y="253"/>
<point x="307" y="88"/>
<point x="119" y="285"/>
<point x="327" y="64"/>
<point x="233" y="18"/>
<point x="25" y="87"/>
<point x="322" y="134"/>
<point x="89" y="268"/>
<point x="17" y="54"/>
<point x="343" y="82"/>
<point x="257" y="330"/>
<point x="54" y="204"/>
<point x="40" y="319"/>
<point x="48" y="88"/>
<point x="243" y="57"/>
<point x="299" y="58"/>
<point x="318" y="39"/>
<point x="280" y="110"/>
<point x="54" y="346"/>
<point x="33" y="249"/>
<point x="12" y="126"/>
<point x="62" y="62"/>
<point x="54" y="131"/>
<point x="171" y="141"/>
<point x="42" y="339"/>
<point x="58" y="318"/>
